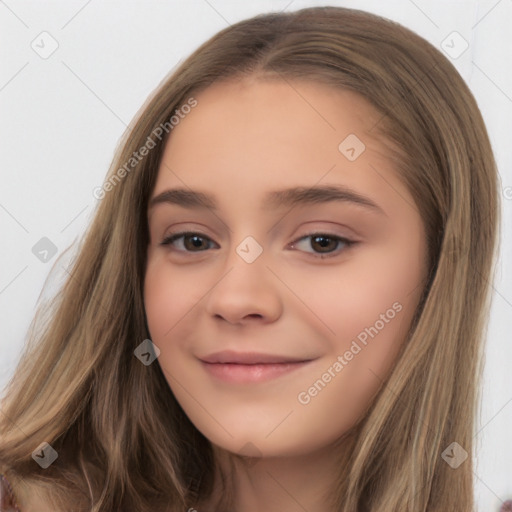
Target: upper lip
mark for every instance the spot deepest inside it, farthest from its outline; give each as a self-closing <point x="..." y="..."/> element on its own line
<point x="229" y="356"/>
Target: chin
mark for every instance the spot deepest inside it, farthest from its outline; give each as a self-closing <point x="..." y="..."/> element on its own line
<point x="254" y="443"/>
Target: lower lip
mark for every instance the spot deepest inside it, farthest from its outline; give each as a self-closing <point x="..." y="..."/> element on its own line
<point x="241" y="373"/>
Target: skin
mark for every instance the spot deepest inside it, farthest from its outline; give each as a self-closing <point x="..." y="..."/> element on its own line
<point x="243" y="139"/>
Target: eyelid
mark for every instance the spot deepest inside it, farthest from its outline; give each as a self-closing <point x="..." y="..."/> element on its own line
<point x="328" y="234"/>
<point x="178" y="234"/>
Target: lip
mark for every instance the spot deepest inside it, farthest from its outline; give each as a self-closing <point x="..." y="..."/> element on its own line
<point x="250" y="367"/>
<point x="247" y="358"/>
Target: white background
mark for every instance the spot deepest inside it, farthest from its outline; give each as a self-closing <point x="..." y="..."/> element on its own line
<point x="61" y="118"/>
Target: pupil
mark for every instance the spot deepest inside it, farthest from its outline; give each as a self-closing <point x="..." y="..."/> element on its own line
<point x="196" y="241"/>
<point x="325" y="240"/>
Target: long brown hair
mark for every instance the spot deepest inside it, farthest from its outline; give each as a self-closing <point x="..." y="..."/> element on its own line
<point x="122" y="440"/>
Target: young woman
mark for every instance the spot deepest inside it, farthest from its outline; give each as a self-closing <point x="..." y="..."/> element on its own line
<point x="281" y="302"/>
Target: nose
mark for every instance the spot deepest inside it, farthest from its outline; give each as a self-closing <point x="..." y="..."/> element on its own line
<point x="245" y="292"/>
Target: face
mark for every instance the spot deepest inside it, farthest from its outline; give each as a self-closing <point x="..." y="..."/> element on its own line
<point x="278" y="315"/>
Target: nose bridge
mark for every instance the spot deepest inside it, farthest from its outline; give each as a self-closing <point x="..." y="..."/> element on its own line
<point x="250" y="250"/>
<point x="246" y="261"/>
<point x="246" y="287"/>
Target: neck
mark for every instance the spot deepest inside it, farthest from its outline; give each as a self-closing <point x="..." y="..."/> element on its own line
<point x="295" y="483"/>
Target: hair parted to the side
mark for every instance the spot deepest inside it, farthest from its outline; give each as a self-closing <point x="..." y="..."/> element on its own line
<point x="123" y="442"/>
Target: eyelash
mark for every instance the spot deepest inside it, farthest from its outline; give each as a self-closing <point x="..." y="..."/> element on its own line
<point x="348" y="243"/>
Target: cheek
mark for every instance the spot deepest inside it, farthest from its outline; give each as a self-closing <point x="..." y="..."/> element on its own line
<point x="368" y="311"/>
<point x="169" y="297"/>
<point x="374" y="297"/>
<point x="370" y="317"/>
<point x="163" y="302"/>
<point x="159" y="303"/>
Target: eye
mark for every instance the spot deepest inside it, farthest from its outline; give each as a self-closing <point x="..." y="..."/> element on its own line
<point x="326" y="243"/>
<point x="190" y="241"/>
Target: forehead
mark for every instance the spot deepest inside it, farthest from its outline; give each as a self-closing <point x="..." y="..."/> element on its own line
<point x="248" y="136"/>
<point x="281" y="108"/>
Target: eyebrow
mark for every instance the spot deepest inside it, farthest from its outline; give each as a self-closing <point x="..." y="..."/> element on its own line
<point x="277" y="198"/>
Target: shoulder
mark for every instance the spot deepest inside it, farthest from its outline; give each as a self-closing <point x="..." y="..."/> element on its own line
<point x="19" y="498"/>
